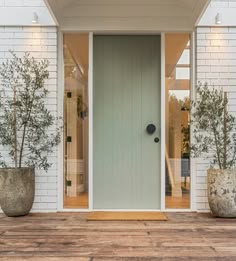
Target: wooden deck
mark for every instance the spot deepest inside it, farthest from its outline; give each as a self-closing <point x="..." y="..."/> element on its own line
<point x="68" y="236"/>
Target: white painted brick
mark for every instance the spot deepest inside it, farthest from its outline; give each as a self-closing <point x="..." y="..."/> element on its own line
<point x="5" y="35"/>
<point x="41" y="192"/>
<point x="219" y="29"/>
<point x="202" y="200"/>
<point x="50" y="29"/>
<point x="203" y="42"/>
<point x="52" y="35"/>
<point x="22" y="35"/>
<point x="14" y="2"/>
<point x="220" y="42"/>
<point x="49" y="55"/>
<point x="52" y="192"/>
<point x="201" y="36"/>
<point x="232" y="4"/>
<point x="201" y="193"/>
<point x="203" y="56"/>
<point x="13" y="29"/>
<point x="49" y="41"/>
<point x="219" y="69"/>
<point x="232" y="69"/>
<point x="203" y="30"/>
<point x="34" y="3"/>
<point x="213" y="49"/>
<point x="218" y="82"/>
<point x="202" y="206"/>
<point x="232" y="82"/>
<point x="52" y="206"/>
<point x="201" y="76"/>
<point x="52" y="48"/>
<point x="201" y="49"/>
<point x="232" y="30"/>
<point x="201" y="62"/>
<point x="212" y="75"/>
<point x="39" y="206"/>
<point x="201" y="180"/>
<point x="201" y="69"/>
<point x="201" y="186"/>
<point x="40" y="35"/>
<point x="48" y="199"/>
<point x="30" y="29"/>
<point x="41" y="179"/>
<point x="219" y="4"/>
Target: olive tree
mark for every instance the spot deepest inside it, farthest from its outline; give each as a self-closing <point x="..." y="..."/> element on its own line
<point x="214" y="127"/>
<point x="28" y="130"/>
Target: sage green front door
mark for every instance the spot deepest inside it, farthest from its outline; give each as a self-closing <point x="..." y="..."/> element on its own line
<point x="126" y="167"/>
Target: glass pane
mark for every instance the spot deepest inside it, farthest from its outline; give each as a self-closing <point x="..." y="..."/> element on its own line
<point x="76" y="121"/>
<point x="177" y="121"/>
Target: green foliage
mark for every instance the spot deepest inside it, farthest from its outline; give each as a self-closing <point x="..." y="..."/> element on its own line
<point x="214" y="127"/>
<point x="28" y="128"/>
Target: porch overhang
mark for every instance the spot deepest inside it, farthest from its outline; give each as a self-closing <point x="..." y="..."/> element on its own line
<point x="127" y="15"/>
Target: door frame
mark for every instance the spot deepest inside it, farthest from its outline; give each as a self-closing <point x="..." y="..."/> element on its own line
<point x="60" y="151"/>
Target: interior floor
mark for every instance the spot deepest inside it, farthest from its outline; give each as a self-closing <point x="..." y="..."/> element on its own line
<point x="178" y="202"/>
<point x="81" y="201"/>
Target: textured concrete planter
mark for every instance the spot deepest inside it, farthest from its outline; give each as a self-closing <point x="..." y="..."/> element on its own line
<point x="221" y="186"/>
<point x="17" y="188"/>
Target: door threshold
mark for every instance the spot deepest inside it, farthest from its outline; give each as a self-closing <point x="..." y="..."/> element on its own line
<point x="125" y="210"/>
<point x="74" y="210"/>
<point x="179" y="210"/>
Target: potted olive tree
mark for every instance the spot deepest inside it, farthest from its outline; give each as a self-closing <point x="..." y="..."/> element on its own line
<point x="28" y="131"/>
<point x="214" y="133"/>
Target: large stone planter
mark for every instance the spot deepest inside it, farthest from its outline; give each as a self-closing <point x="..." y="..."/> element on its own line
<point x="17" y="189"/>
<point x="221" y="187"/>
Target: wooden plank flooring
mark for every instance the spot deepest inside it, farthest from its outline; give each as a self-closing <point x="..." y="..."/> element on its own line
<point x="68" y="236"/>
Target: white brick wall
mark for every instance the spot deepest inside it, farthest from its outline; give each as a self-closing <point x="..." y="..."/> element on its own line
<point x="21" y="3"/>
<point x="215" y="64"/>
<point x="20" y="13"/>
<point x="41" y="42"/>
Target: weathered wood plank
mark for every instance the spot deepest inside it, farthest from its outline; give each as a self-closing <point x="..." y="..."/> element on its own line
<point x="68" y="236"/>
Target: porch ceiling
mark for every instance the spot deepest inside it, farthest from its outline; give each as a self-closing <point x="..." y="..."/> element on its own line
<point x="127" y="15"/>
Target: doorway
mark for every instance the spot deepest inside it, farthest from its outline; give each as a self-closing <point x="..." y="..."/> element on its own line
<point x="127" y="122"/>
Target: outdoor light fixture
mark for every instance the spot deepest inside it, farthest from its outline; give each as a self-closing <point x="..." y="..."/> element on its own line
<point x="218" y="18"/>
<point x="35" y="18"/>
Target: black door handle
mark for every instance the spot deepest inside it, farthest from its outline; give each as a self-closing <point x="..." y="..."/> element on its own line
<point x="151" y="128"/>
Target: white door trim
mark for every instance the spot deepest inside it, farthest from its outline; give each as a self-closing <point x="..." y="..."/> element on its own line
<point x="90" y="95"/>
<point x="60" y="113"/>
<point x="163" y="111"/>
<point x="192" y="97"/>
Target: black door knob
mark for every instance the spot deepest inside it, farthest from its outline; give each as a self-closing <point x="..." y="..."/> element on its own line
<point x="151" y="128"/>
<point x="156" y="139"/>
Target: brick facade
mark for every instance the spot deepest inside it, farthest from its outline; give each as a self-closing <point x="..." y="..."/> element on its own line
<point x="41" y="42"/>
<point x="216" y="65"/>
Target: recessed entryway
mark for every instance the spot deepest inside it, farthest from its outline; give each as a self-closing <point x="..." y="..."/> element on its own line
<point x="126" y="105"/>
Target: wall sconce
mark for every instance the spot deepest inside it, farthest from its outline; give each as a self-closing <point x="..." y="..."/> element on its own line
<point x="35" y="18"/>
<point x="218" y="18"/>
